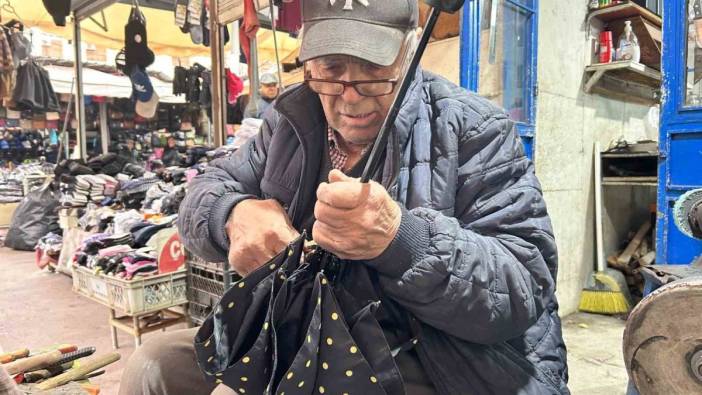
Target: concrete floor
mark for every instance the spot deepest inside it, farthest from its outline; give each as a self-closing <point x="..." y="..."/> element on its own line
<point x="38" y="308"/>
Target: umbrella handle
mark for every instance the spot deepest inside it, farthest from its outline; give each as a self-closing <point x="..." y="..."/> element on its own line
<point x="381" y="141"/>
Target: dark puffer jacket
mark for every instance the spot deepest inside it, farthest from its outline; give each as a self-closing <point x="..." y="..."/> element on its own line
<point x="474" y="260"/>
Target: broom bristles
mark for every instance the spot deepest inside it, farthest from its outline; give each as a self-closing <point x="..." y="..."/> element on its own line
<point x="606" y="293"/>
<point x="604" y="302"/>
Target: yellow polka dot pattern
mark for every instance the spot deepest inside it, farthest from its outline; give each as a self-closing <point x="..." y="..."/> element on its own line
<point x="349" y="373"/>
<point x="246" y="360"/>
<point x="335" y="316"/>
<point x="353" y="349"/>
<point x="330" y="341"/>
<point x="321" y="389"/>
<point x="230" y="305"/>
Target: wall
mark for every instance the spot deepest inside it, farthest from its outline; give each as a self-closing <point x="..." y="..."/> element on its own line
<point x="568" y="123"/>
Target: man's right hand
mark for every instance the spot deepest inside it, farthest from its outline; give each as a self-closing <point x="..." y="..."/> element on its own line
<point x="258" y="230"/>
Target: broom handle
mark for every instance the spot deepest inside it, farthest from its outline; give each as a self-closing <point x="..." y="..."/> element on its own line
<point x="598" y="210"/>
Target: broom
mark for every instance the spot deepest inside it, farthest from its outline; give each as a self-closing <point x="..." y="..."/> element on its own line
<point x="606" y="291"/>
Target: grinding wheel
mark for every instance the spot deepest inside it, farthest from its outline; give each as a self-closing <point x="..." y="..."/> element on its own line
<point x="663" y="340"/>
<point x="682" y="211"/>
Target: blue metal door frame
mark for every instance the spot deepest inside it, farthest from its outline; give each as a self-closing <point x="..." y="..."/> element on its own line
<point x="470" y="59"/>
<point x="680" y="162"/>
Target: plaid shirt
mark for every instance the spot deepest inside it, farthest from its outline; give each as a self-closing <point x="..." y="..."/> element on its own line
<point x="338" y="156"/>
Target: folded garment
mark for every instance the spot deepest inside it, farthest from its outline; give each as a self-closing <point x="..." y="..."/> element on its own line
<point x="114" y="250"/>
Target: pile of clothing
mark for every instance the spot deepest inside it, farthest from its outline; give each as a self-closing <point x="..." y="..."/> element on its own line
<point x="124" y="255"/>
<point x="114" y="255"/>
<point x="12" y="180"/>
<point x="82" y="189"/>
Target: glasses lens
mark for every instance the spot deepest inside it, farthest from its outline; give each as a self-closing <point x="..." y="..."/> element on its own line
<point x="326" y="88"/>
<point x="373" y="89"/>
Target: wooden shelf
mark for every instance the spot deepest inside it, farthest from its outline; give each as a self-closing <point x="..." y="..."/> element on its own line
<point x="622" y="11"/>
<point x="630" y="181"/>
<point x="625" y="80"/>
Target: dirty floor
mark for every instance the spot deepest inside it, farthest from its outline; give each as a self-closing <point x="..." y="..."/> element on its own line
<point x="38" y="308"/>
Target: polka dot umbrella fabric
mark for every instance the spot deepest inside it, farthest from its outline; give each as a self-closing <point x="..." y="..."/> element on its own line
<point x="281" y="331"/>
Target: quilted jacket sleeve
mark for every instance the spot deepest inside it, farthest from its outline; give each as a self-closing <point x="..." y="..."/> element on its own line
<point x="487" y="273"/>
<point x="212" y="196"/>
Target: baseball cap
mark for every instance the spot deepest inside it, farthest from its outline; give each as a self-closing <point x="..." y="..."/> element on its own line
<point x="141" y="85"/>
<point x="372" y="30"/>
<point x="144" y="93"/>
<point x="268" y="78"/>
<point x="147" y="109"/>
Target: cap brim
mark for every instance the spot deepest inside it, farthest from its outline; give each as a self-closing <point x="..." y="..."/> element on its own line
<point x="147" y="109"/>
<point x="373" y="43"/>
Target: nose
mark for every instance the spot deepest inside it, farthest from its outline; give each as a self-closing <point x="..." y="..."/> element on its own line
<point x="351" y="95"/>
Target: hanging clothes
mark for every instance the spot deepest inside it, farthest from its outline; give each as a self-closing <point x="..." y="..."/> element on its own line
<point x="7" y="66"/>
<point x="248" y="29"/>
<point x="34" y="90"/>
<point x="290" y="16"/>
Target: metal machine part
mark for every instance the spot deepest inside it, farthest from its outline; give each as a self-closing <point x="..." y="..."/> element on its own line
<point x="663" y="340"/>
<point x="688" y="213"/>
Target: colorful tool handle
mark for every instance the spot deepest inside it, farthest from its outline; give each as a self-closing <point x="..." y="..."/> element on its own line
<point x="85" y="368"/>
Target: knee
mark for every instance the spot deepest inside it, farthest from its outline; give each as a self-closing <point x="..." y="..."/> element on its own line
<point x="154" y="368"/>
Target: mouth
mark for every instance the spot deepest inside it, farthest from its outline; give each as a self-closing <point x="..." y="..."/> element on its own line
<point x="359" y="119"/>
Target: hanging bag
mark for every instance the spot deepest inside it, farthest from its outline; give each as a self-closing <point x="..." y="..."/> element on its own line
<point x="137" y="52"/>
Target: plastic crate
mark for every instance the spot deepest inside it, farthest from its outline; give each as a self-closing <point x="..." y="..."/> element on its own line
<point x="205" y="286"/>
<point x="198" y="312"/>
<point x="134" y="297"/>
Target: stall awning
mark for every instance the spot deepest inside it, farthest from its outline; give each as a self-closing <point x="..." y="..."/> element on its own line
<point x="97" y="83"/>
<point x="165" y="38"/>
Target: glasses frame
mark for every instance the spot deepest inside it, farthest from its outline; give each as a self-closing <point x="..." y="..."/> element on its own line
<point x="347" y="84"/>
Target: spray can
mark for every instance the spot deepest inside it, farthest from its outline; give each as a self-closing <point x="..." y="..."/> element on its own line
<point x="606" y="47"/>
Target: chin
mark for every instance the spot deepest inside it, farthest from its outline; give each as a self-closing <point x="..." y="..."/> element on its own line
<point x="360" y="136"/>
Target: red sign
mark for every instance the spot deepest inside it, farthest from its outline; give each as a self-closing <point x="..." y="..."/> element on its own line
<point x="172" y="256"/>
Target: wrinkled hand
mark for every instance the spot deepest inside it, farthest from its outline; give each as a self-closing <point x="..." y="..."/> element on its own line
<point x="258" y="230"/>
<point x="354" y="220"/>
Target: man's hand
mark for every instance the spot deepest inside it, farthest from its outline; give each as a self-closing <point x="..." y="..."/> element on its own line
<point x="354" y="221"/>
<point x="258" y="230"/>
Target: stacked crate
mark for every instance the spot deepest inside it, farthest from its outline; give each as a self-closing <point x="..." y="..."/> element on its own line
<point x="205" y="286"/>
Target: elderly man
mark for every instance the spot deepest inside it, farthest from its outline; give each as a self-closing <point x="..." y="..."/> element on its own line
<point x="268" y="92"/>
<point x="454" y="228"/>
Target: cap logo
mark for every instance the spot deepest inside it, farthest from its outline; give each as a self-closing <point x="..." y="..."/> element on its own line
<point x="349" y="4"/>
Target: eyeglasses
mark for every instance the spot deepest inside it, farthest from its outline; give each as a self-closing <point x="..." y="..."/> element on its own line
<point x="367" y="88"/>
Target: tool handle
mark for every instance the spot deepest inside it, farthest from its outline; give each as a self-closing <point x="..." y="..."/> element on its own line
<point x="85" y="368"/>
<point x="13" y="355"/>
<point x="72" y="356"/>
<point x="33" y="362"/>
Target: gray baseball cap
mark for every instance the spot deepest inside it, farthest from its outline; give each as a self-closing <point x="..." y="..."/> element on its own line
<point x="268" y="78"/>
<point x="372" y="30"/>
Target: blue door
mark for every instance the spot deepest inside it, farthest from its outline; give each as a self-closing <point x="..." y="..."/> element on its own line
<point x="680" y="164"/>
<point x="498" y="58"/>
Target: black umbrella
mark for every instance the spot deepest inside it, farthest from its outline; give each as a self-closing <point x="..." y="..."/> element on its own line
<point x="290" y="328"/>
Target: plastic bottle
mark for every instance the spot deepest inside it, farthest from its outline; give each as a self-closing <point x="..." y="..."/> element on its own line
<point x="629" y="48"/>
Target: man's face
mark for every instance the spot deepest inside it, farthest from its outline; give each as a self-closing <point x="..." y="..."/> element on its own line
<point x="269" y="91"/>
<point x="357" y="118"/>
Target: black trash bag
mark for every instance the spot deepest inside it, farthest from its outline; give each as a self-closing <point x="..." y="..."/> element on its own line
<point x="288" y="328"/>
<point x="33" y="219"/>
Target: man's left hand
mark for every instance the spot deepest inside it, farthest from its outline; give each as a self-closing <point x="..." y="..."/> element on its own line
<point x="355" y="221"/>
